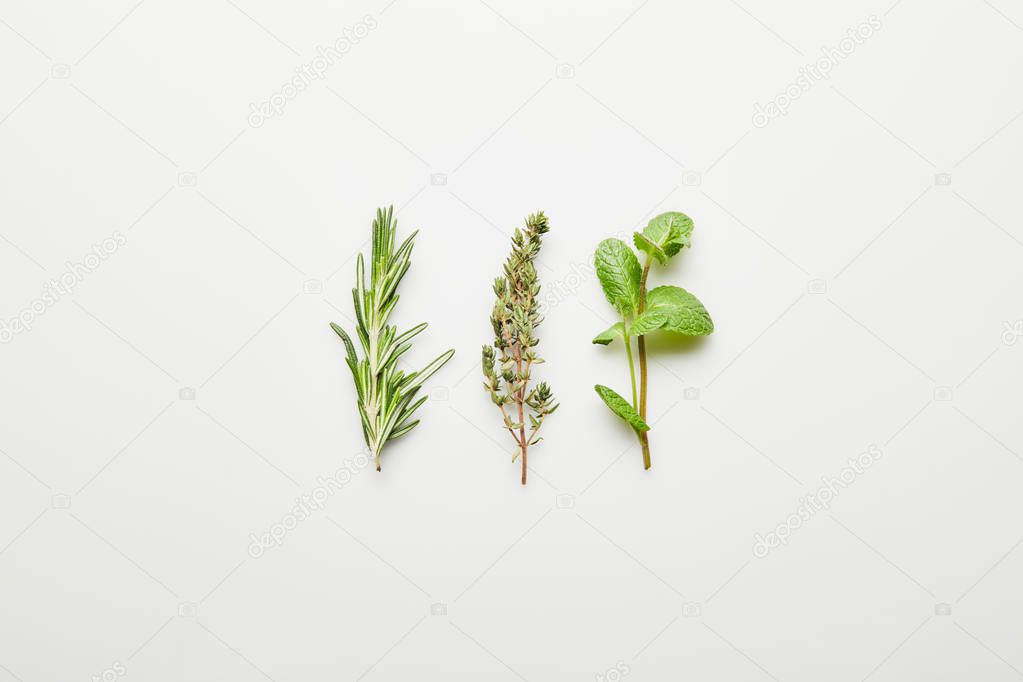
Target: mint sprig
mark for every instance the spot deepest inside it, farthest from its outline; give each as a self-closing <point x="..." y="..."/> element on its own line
<point x="667" y="308"/>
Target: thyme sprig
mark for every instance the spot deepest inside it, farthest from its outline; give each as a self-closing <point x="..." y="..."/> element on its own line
<point x="508" y="363"/>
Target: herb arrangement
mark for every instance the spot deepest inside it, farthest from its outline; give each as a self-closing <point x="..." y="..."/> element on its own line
<point x="386" y="395"/>
<point x="642" y="312"/>
<point x="508" y="362"/>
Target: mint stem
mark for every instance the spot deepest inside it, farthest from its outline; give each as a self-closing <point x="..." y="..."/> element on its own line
<point x="632" y="364"/>
<point x="641" y="342"/>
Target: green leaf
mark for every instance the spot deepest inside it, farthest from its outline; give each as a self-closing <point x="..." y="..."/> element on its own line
<point x="622" y="408"/>
<point x="615" y="331"/>
<point x="665" y="235"/>
<point x="416" y="379"/>
<point x="404" y="428"/>
<point x="349" y="347"/>
<point x="651" y="248"/>
<point x="619" y="272"/>
<point x="648" y="322"/>
<point x="685" y="314"/>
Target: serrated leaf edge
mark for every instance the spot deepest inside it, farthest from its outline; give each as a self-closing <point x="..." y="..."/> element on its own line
<point x="621" y="407"/>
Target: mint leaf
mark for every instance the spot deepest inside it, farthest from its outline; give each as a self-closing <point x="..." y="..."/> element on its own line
<point x="674" y="223"/>
<point x="619" y="272"/>
<point x="648" y="322"/>
<point x="615" y="331"/>
<point x="622" y="408"/>
<point x="665" y="235"/>
<point x="685" y="314"/>
<point x="650" y="248"/>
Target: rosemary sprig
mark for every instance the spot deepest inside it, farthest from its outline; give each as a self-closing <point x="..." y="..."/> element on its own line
<point x="515" y="316"/>
<point x="386" y="395"/>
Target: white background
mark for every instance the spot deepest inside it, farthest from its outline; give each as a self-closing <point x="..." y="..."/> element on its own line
<point x="849" y="285"/>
